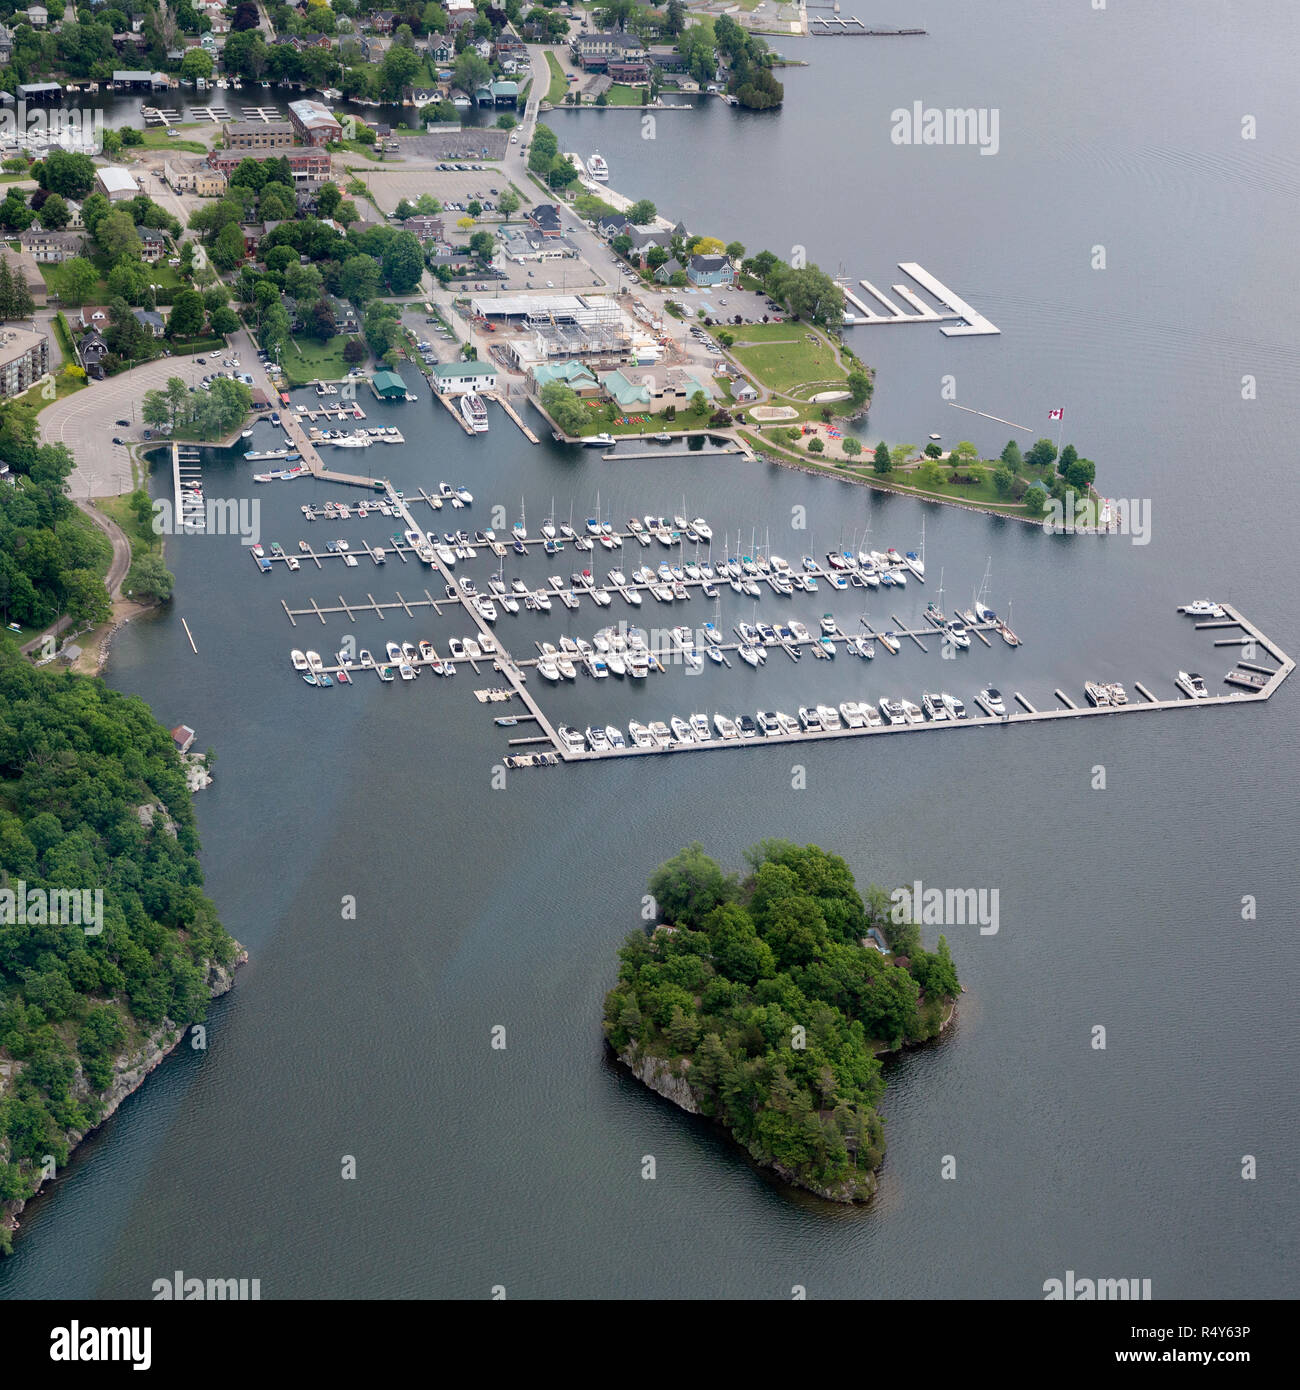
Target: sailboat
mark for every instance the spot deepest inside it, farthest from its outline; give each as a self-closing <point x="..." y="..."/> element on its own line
<point x="934" y="611"/>
<point x="915" y="562"/>
<point x="983" y="612"/>
<point x="593" y="522"/>
<point x="519" y="528"/>
<point x="548" y="526"/>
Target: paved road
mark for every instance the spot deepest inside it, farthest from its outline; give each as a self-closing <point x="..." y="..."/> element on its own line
<point x="117" y="571"/>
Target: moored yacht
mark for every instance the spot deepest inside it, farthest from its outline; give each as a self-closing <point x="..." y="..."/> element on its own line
<point x="1192" y="685"/>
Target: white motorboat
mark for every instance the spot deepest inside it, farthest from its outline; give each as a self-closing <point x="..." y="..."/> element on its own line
<point x="726" y="727"/>
<point x="1204" y="608"/>
<point x="992" y="699"/>
<point x="299" y="660"/>
<point x="955" y="708"/>
<point x="700" y="728"/>
<point x="1192" y="685"/>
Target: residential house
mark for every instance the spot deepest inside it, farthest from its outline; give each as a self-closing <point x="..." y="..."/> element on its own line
<point x="52" y="248"/>
<point x="253" y="234"/>
<point x="382" y="21"/>
<point x="37" y="16"/>
<point x="92" y="349"/>
<point x="441" y="49"/>
<point x="93" y="316"/>
<point x="612" y="224"/>
<point x="666" y="271"/>
<point x="149" y="319"/>
<point x="153" y="244"/>
<point x="710" y="270"/>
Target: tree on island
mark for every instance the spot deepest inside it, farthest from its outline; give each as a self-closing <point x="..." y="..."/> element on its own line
<point x="761" y="997"/>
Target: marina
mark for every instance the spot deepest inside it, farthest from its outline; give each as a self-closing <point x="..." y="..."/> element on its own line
<point x="638" y="653"/>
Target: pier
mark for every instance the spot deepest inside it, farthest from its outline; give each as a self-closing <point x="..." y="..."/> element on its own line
<point x="1252" y="680"/>
<point x="970" y="322"/>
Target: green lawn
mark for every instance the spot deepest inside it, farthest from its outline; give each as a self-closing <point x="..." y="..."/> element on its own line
<point x="782" y="358"/>
<point x="559" y="83"/>
<point x="56" y="282"/>
<point x="621" y="95"/>
<point x="306" y="360"/>
<point x="156" y="138"/>
<point x="144" y="540"/>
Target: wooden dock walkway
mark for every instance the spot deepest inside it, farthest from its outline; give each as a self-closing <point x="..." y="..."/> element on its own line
<point x="513" y="414"/>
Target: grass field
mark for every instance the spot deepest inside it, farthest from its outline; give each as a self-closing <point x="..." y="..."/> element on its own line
<point x="143" y="539"/>
<point x="156" y="138"/>
<point x="559" y="83"/>
<point x="782" y="358"/>
<point x="621" y="95"/>
<point x="306" y="360"/>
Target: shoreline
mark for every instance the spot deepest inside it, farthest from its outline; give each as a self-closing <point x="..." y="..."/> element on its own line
<point x="662" y="1076"/>
<point x="132" y="1070"/>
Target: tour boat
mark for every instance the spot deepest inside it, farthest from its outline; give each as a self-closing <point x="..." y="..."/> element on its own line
<point x="598" y="168"/>
<point x="474" y="413"/>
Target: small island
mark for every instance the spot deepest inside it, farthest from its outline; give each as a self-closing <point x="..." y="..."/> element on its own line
<point x="763" y="1002"/>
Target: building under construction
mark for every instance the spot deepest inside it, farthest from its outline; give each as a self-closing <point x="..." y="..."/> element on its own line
<point x="564" y="327"/>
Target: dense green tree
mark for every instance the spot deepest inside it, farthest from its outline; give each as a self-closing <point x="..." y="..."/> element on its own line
<point x="881" y="460"/>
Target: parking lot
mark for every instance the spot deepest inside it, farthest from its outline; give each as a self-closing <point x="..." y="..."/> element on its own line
<point x="389" y="187"/>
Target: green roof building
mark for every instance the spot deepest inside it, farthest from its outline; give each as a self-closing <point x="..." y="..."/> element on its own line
<point x="388" y="386"/>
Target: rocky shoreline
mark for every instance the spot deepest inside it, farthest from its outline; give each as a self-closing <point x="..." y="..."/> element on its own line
<point x="130" y="1070"/>
<point x="669" y="1079"/>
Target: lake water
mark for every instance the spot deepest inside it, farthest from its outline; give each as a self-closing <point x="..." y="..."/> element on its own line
<point x="476" y="907"/>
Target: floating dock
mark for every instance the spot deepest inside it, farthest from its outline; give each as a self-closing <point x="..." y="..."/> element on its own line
<point x="971" y="322"/>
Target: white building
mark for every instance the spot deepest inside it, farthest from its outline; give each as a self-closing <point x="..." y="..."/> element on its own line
<point x="116" y="184"/>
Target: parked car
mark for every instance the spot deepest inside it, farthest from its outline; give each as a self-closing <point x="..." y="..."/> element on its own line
<point x="126" y="424"/>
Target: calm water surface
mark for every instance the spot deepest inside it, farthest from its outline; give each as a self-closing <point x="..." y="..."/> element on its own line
<point x="478" y="907"/>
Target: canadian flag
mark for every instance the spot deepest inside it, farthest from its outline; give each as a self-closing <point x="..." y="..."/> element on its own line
<point x="1055" y="414"/>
